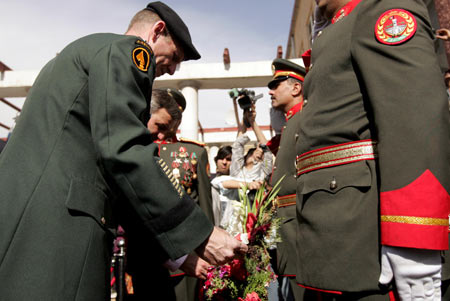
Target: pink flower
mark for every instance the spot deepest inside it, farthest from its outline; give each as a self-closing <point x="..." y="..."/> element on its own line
<point x="207" y="283"/>
<point x="252" y="297"/>
<point x="225" y="271"/>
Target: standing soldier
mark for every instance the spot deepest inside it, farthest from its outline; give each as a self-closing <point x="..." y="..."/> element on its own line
<point x="286" y="94"/>
<point x="373" y="160"/>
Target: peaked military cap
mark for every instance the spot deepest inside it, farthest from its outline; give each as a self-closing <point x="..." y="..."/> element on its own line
<point x="283" y="69"/>
<point x="177" y="29"/>
<point x="178" y="97"/>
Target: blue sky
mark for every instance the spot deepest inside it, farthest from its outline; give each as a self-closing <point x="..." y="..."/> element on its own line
<point x="32" y="32"/>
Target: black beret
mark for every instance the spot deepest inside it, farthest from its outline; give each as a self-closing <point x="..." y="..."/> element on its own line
<point x="177" y="29"/>
<point x="178" y="97"/>
<point x="283" y="69"/>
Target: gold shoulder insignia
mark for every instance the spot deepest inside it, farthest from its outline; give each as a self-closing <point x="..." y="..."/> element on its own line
<point x="199" y="143"/>
<point x="142" y="55"/>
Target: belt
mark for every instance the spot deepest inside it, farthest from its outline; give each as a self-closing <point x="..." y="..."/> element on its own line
<point x="286" y="200"/>
<point x="336" y="155"/>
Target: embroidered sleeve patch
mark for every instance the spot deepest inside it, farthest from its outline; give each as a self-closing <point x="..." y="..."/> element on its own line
<point x="395" y="26"/>
<point x="141" y="58"/>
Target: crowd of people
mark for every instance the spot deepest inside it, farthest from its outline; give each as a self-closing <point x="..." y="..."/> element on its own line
<point x="362" y="155"/>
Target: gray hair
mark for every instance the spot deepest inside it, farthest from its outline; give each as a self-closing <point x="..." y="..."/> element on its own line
<point x="162" y="99"/>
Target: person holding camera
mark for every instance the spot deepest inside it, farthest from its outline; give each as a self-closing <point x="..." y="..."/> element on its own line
<point x="256" y="164"/>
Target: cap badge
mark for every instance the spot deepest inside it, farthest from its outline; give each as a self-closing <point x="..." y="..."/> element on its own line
<point x="395" y="26"/>
<point x="141" y="58"/>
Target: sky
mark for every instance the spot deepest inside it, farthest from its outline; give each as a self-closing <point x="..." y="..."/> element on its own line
<point x="33" y="32"/>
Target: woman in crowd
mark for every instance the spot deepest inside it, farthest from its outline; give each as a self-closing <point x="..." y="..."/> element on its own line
<point x="256" y="164"/>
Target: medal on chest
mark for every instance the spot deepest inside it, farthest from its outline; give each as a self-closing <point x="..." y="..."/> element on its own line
<point x="184" y="167"/>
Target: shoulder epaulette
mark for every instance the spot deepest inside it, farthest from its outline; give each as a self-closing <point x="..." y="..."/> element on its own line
<point x="192" y="141"/>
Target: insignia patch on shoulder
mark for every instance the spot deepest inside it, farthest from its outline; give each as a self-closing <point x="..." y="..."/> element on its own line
<point x="395" y="26"/>
<point x="141" y="58"/>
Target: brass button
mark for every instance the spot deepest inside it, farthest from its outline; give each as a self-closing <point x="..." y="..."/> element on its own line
<point x="164" y="148"/>
<point x="305" y="102"/>
<point x="333" y="184"/>
<point x="296" y="136"/>
<point x="103" y="220"/>
<point x="274" y="167"/>
<point x="319" y="33"/>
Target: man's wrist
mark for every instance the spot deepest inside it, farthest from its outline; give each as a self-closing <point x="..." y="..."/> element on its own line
<point x="174" y="265"/>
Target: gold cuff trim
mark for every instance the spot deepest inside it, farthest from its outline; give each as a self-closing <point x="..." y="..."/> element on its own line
<point x="336" y="155"/>
<point x="416" y="220"/>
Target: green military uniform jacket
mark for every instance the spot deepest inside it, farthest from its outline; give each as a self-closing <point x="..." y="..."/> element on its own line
<point x="285" y="167"/>
<point x="80" y="144"/>
<point x="188" y="160"/>
<point x="360" y="89"/>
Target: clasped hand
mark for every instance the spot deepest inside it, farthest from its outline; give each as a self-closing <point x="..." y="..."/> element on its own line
<point x="220" y="248"/>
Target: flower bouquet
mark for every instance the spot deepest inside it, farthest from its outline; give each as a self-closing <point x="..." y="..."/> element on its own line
<point x="254" y="223"/>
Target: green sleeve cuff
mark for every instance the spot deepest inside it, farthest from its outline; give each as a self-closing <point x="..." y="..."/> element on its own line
<point x="187" y="235"/>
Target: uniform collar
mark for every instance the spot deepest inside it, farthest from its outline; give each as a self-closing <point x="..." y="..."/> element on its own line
<point x="294" y="110"/>
<point x="345" y="10"/>
<point x="167" y="141"/>
<point x="306" y="57"/>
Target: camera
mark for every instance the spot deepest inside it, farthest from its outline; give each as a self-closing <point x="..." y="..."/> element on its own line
<point x="246" y="98"/>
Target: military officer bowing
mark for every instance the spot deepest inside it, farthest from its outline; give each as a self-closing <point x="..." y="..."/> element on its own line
<point x="87" y="113"/>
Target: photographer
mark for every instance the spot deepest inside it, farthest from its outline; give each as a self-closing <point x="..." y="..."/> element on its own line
<point x="256" y="164"/>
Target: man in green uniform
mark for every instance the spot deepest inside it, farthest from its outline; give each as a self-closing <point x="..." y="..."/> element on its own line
<point x="188" y="160"/>
<point x="189" y="164"/>
<point x="286" y="94"/>
<point x="86" y="114"/>
<point x="372" y="155"/>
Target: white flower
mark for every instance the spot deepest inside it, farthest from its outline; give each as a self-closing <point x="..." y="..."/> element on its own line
<point x="272" y="237"/>
<point x="233" y="218"/>
<point x="244" y="238"/>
